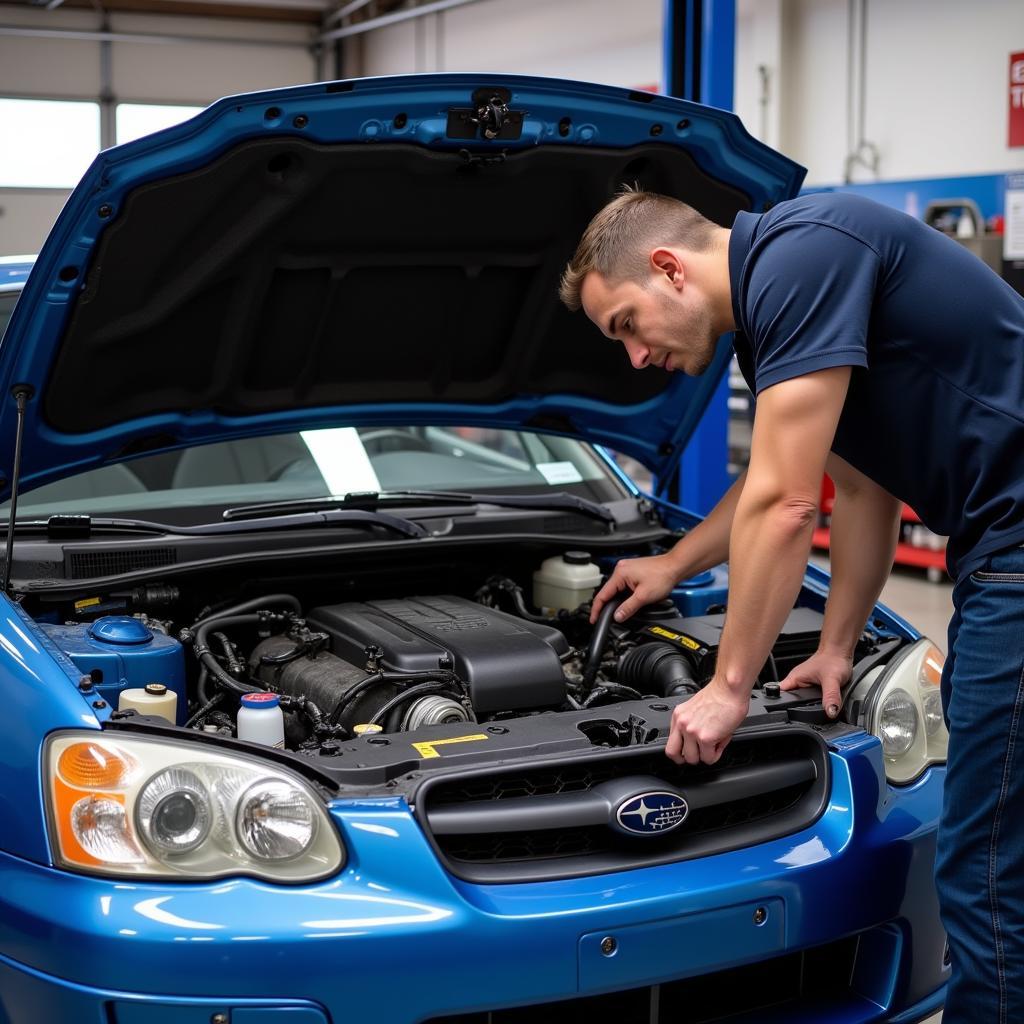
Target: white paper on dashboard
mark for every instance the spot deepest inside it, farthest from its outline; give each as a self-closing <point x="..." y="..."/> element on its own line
<point x="341" y="459"/>
<point x="559" y="472"/>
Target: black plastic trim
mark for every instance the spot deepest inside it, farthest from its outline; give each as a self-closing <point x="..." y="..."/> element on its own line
<point x="804" y="813"/>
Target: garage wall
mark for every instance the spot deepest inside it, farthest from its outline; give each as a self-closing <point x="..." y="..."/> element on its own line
<point x="193" y="73"/>
<point x="607" y="41"/>
<point x="935" y="101"/>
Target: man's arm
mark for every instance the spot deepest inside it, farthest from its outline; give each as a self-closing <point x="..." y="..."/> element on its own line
<point x="864" y="531"/>
<point x="794" y="425"/>
<point x="651" y="579"/>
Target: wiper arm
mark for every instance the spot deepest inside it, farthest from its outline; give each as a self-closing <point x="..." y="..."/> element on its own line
<point x="372" y="500"/>
<point x="85" y="525"/>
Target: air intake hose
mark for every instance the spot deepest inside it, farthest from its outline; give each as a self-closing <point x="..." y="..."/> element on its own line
<point x="658" y="668"/>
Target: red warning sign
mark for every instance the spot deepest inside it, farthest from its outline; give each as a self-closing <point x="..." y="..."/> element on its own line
<point x="1016" y="99"/>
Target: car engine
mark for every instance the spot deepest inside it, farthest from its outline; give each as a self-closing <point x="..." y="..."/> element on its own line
<point x="396" y="664"/>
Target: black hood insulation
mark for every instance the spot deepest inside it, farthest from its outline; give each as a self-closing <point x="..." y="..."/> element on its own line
<point x="286" y="274"/>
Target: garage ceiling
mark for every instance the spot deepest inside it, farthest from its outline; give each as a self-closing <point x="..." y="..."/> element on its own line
<point x="335" y="13"/>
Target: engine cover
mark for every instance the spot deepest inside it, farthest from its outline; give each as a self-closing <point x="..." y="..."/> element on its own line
<point x="508" y="663"/>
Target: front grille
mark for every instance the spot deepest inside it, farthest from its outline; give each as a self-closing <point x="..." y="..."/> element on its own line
<point x="83" y="565"/>
<point x="541" y="823"/>
<point x="823" y="983"/>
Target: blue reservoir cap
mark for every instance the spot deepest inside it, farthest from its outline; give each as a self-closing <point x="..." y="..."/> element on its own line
<point x="702" y="579"/>
<point x="260" y="700"/>
<point x="120" y="629"/>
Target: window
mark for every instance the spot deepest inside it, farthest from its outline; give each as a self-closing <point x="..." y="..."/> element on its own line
<point x="133" y="120"/>
<point x="47" y="143"/>
<point x="195" y="484"/>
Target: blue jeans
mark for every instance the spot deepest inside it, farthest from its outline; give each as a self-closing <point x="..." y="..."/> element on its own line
<point x="980" y="859"/>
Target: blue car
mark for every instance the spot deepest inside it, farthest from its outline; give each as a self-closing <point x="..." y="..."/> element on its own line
<point x="309" y="481"/>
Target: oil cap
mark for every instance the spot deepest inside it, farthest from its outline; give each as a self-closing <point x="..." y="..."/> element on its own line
<point x="366" y="729"/>
<point x="120" y="629"/>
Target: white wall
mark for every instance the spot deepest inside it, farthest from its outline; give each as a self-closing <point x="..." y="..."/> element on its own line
<point x="608" y="41"/>
<point x="193" y="73"/>
<point x="936" y="84"/>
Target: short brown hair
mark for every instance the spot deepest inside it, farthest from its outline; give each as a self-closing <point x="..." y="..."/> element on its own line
<point x="619" y="239"/>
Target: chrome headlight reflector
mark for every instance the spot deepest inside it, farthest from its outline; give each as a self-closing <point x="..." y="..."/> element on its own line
<point x="275" y="821"/>
<point x="131" y="805"/>
<point x="901" y="704"/>
<point x="174" y="811"/>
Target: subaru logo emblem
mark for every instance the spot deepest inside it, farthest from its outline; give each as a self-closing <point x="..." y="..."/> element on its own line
<point x="651" y="814"/>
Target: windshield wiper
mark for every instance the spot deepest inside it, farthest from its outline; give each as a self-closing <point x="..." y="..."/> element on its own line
<point x="85" y="525"/>
<point x="372" y="500"/>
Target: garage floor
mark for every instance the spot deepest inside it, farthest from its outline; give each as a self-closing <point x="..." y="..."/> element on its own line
<point x="925" y="605"/>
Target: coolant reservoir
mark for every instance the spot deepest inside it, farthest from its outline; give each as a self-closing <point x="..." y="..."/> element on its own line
<point x="565" y="581"/>
<point x="152" y="699"/>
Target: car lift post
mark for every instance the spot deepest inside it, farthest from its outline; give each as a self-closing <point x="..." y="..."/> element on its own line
<point x="699" y="56"/>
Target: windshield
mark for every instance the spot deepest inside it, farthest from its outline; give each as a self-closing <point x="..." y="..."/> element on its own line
<point x="194" y="485"/>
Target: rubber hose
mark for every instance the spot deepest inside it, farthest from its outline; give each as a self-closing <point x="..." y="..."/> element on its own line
<point x="197" y="718"/>
<point x="612" y="690"/>
<point x="248" y="606"/>
<point x="235" y="666"/>
<point x="407" y="695"/>
<point x="599" y="639"/>
<point x="387" y="677"/>
<point x="660" y="668"/>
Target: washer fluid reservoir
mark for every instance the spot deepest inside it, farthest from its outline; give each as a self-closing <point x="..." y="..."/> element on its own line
<point x="564" y="582"/>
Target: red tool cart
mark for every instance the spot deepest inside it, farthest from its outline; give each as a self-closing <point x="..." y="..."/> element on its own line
<point x="917" y="546"/>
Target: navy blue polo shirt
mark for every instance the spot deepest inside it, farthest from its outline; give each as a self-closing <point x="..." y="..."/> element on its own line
<point x="935" y="409"/>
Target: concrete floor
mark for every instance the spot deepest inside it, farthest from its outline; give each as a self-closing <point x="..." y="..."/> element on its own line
<point x="926" y="606"/>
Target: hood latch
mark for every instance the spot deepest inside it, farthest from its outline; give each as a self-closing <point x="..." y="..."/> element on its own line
<point x="488" y="118"/>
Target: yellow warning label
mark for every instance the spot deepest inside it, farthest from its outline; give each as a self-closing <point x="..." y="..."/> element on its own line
<point x="87" y="603"/>
<point x="426" y="750"/>
<point x="686" y="641"/>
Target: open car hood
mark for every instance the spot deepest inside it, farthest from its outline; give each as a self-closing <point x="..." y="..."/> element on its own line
<point x="360" y="252"/>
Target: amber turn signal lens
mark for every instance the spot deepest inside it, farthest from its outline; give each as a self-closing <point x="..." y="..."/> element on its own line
<point x="931" y="666"/>
<point x="93" y="766"/>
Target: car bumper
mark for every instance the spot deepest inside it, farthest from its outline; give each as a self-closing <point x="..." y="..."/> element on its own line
<point x="396" y="939"/>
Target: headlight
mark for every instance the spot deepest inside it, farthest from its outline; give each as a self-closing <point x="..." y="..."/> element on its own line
<point x="138" y="806"/>
<point x="900" y="703"/>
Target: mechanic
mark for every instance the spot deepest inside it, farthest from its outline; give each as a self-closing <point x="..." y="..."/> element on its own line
<point x="889" y="356"/>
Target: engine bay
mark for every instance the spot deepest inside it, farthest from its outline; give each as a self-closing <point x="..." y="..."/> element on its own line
<point x="328" y="679"/>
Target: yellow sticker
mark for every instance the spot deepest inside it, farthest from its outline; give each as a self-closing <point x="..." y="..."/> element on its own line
<point x="679" y="638"/>
<point x="88" y="602"/>
<point x="426" y="750"/>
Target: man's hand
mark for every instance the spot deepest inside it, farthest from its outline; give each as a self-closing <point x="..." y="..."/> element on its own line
<point x="650" y="579"/>
<point x="827" y="670"/>
<point x="703" y="725"/>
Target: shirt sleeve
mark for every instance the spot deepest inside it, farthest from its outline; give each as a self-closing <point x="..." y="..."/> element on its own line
<point x="808" y="301"/>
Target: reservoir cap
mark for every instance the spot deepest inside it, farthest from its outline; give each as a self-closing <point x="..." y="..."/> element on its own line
<point x="156" y="689"/>
<point x="120" y="629"/>
<point x="576" y="557"/>
<point x="260" y="701"/>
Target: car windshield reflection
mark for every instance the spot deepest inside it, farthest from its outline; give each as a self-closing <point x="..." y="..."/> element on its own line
<point x="195" y="484"/>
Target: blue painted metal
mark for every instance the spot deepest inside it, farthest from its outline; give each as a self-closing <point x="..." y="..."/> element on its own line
<point x="39" y="694"/>
<point x="394" y="915"/>
<point x="106" y="651"/>
<point x="701" y="58"/>
<point x="653" y="431"/>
